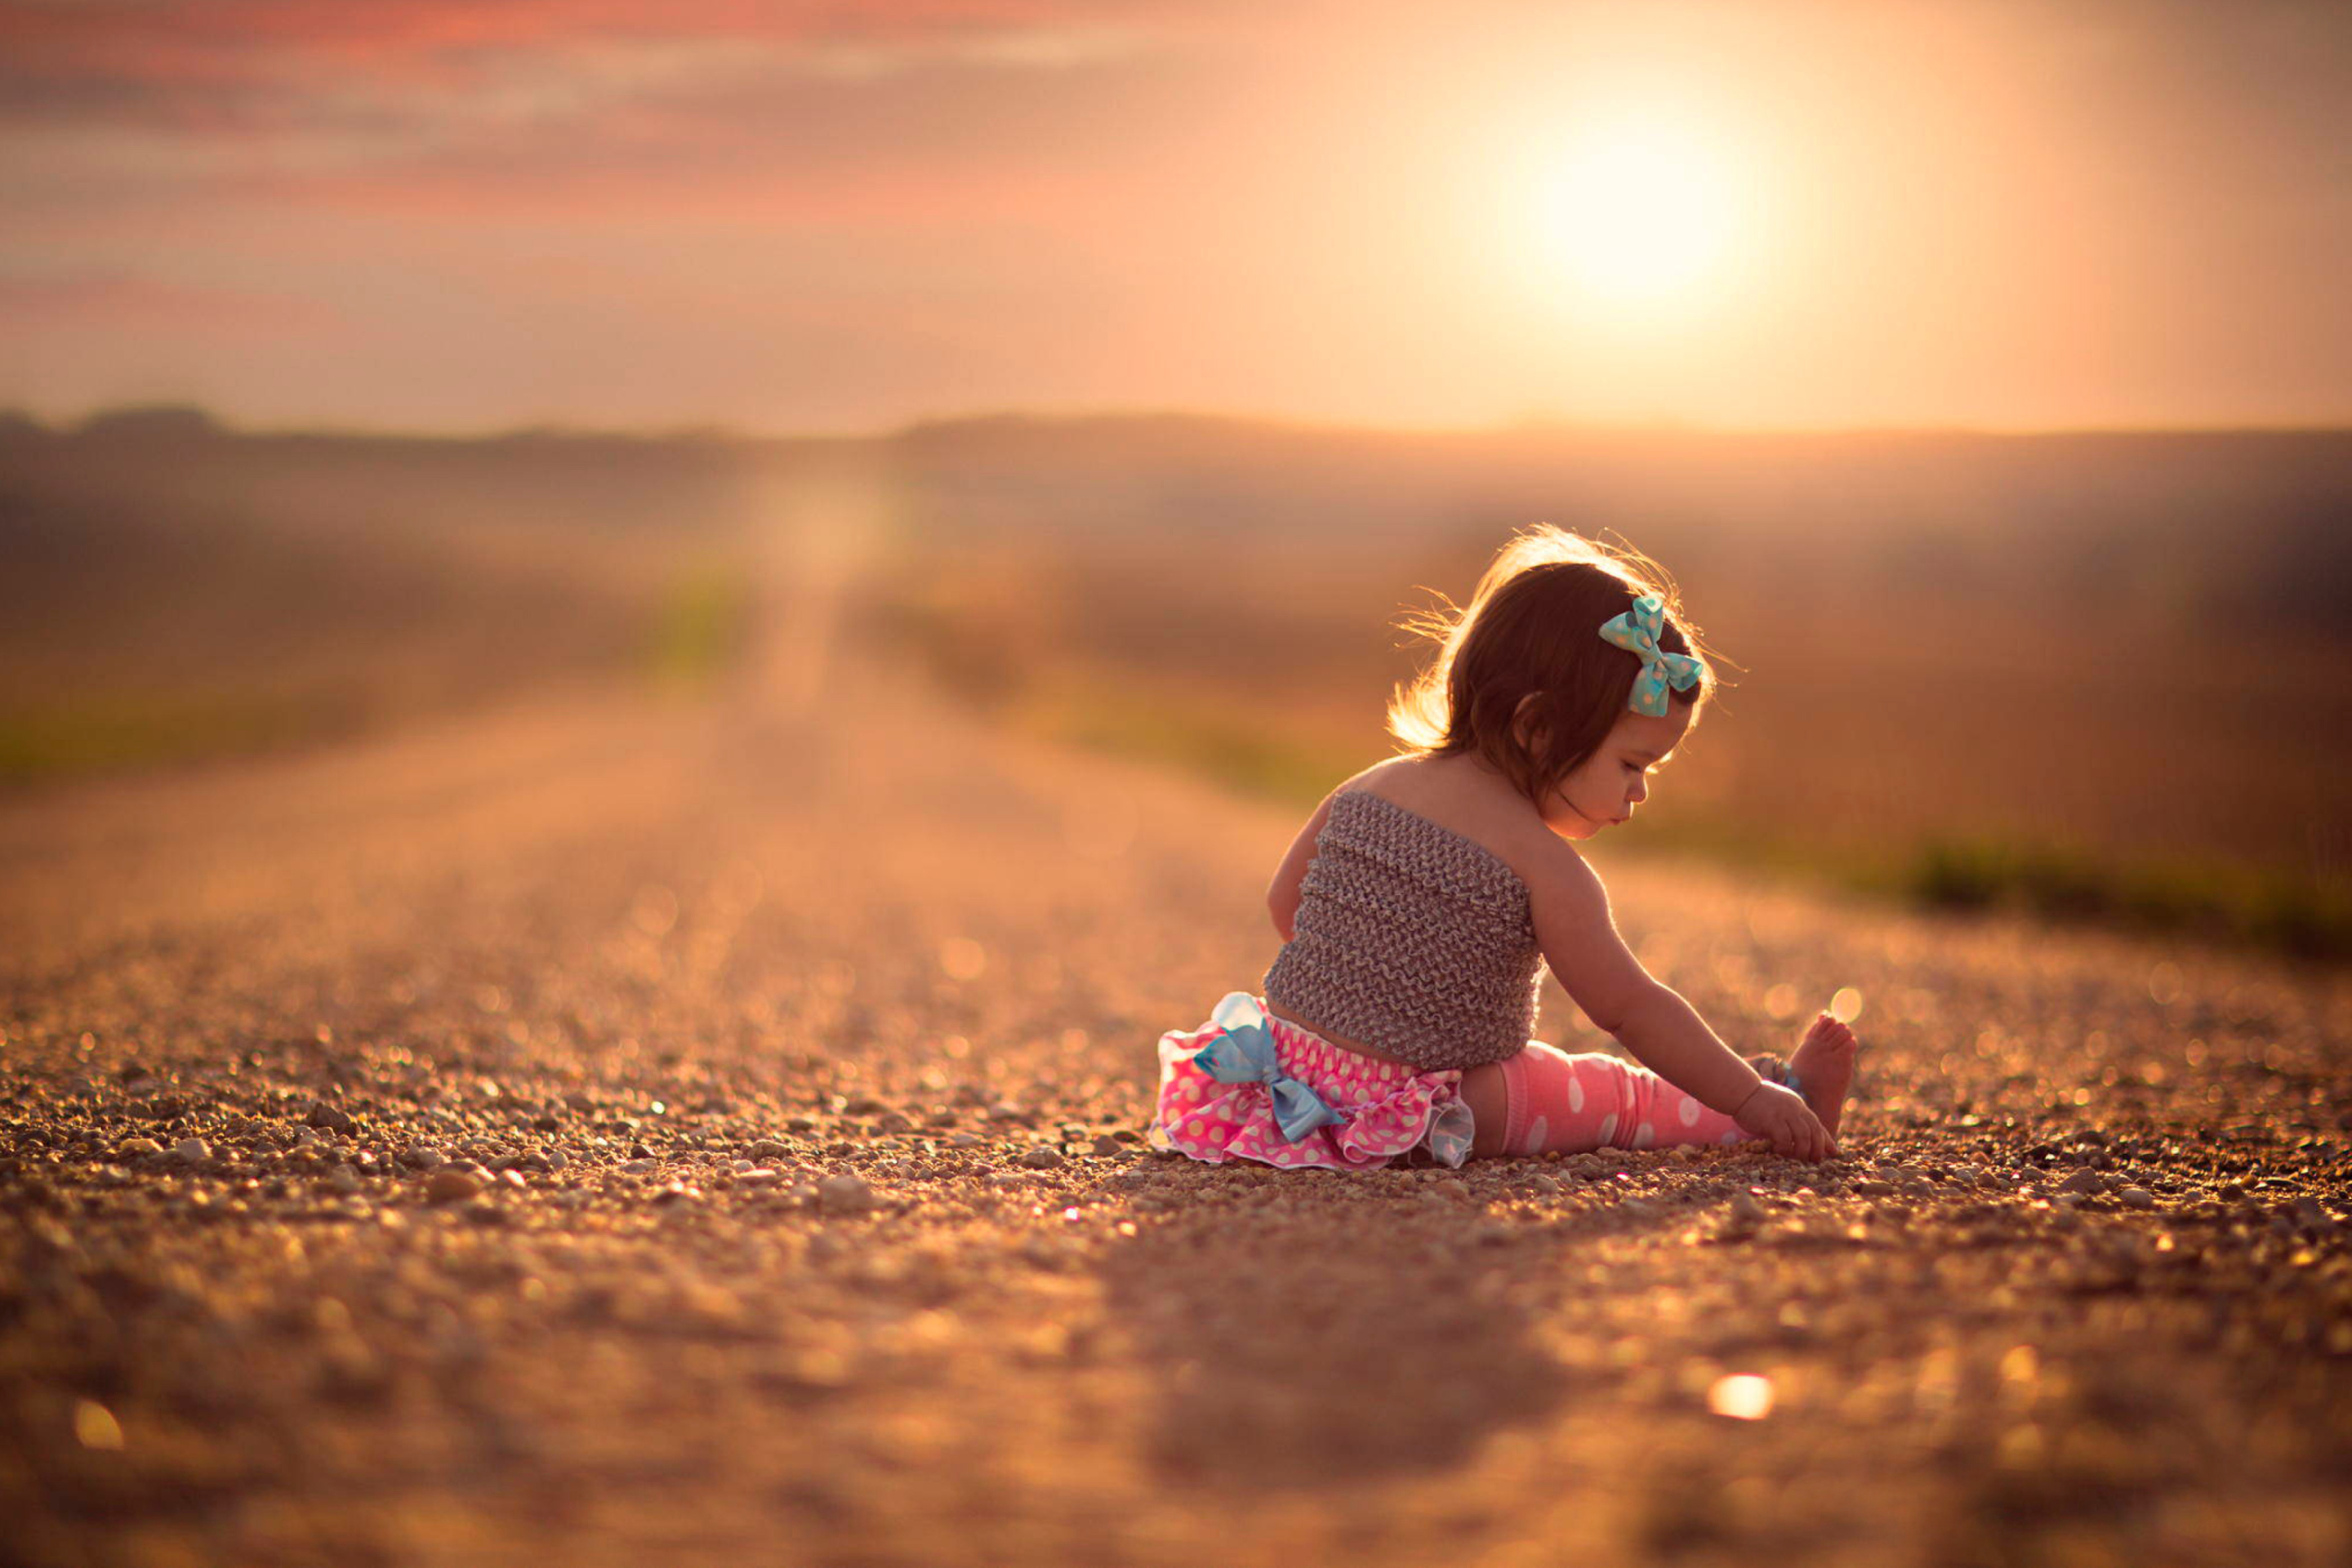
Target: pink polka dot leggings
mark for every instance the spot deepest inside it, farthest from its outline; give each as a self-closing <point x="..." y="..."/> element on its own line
<point x="1554" y="1100"/>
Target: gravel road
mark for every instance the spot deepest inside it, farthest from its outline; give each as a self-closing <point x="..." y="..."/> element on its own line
<point x="631" y="1132"/>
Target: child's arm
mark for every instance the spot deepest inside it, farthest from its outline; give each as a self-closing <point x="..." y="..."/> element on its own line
<point x="1603" y="978"/>
<point x="1282" y="898"/>
<point x="1666" y="1035"/>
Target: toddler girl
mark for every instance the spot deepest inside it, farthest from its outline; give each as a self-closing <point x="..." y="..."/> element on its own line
<point x="1421" y="902"/>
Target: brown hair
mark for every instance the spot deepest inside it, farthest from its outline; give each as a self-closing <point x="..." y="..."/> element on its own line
<point x="1532" y="629"/>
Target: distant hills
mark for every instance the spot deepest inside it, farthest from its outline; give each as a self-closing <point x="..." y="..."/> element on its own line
<point x="2147" y="526"/>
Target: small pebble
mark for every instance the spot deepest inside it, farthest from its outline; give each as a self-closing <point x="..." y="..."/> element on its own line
<point x="1044" y="1157"/>
<point x="845" y="1195"/>
<point x="2138" y="1197"/>
<point x="450" y="1185"/>
<point x="2085" y="1180"/>
<point x="191" y="1152"/>
<point x="132" y="1148"/>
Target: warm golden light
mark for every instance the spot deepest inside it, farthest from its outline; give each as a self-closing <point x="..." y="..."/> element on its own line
<point x="1768" y="214"/>
<point x="1640" y="213"/>
<point x="95" y="1425"/>
<point x="1743" y="1397"/>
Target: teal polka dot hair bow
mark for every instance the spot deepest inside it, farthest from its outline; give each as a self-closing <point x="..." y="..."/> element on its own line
<point x="1636" y="631"/>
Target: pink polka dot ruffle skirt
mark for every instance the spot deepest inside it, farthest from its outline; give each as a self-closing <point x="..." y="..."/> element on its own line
<point x="1387" y="1109"/>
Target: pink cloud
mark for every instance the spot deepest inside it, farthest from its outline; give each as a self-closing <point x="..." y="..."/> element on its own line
<point x="557" y="101"/>
<point x="165" y="44"/>
<point x="117" y="300"/>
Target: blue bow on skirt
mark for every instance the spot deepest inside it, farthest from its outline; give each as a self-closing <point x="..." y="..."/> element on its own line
<point x="1244" y="1054"/>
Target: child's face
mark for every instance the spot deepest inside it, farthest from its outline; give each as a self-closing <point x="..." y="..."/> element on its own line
<point x="1615" y="779"/>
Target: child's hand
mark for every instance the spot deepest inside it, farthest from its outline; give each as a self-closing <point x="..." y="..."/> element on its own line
<point x="1779" y="1114"/>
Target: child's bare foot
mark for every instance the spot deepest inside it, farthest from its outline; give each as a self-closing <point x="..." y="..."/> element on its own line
<point x="1824" y="1067"/>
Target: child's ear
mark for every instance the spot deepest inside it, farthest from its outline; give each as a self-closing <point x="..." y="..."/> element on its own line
<point x="1526" y="727"/>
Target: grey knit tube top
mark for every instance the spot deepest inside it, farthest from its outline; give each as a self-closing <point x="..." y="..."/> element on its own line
<point x="1409" y="939"/>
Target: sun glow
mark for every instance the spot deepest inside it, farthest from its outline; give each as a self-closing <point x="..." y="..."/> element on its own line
<point x="1642" y="212"/>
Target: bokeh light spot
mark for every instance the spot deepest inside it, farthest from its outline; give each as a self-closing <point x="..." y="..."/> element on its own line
<point x="95" y="1427"/>
<point x="1743" y="1396"/>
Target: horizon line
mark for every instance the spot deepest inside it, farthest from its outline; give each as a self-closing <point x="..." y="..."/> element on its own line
<point x="722" y="431"/>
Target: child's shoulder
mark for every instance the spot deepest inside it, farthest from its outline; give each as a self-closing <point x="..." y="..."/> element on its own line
<point x="1465" y="799"/>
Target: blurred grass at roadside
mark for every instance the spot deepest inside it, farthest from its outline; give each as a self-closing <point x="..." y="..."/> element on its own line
<point x="173" y="591"/>
<point x="1295" y="758"/>
<point x="699" y="626"/>
<point x="680" y="638"/>
<point x="2249" y="905"/>
<point x="1204" y="738"/>
<point x="111" y="733"/>
<point x="2298" y="916"/>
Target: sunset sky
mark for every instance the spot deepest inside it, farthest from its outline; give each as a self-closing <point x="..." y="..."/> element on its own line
<point x="778" y="215"/>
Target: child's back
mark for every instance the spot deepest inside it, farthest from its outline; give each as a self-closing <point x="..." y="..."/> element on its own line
<point x="1406" y="906"/>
